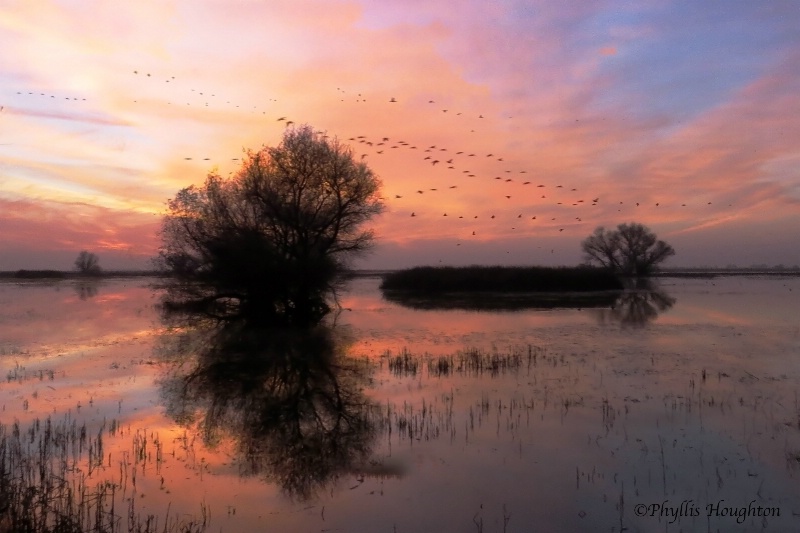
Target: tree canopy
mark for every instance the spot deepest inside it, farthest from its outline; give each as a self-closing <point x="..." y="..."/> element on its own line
<point x="632" y="249"/>
<point x="272" y="239"/>
<point x="87" y="264"/>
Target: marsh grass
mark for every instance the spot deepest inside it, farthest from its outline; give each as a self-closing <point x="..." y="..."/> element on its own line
<point x="20" y="374"/>
<point x="51" y="481"/>
<point x="472" y="362"/>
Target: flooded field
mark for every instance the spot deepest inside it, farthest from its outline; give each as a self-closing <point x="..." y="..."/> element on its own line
<point x="673" y="409"/>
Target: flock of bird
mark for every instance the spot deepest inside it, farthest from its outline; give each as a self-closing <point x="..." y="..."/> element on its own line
<point x="451" y="168"/>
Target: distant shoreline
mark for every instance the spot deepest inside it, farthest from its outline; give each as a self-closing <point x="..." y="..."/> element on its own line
<point x="31" y="274"/>
<point x="663" y="273"/>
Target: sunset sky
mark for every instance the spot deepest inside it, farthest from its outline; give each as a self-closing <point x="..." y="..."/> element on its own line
<point x="110" y="108"/>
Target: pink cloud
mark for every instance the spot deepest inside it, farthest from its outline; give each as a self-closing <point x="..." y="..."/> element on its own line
<point x="28" y="225"/>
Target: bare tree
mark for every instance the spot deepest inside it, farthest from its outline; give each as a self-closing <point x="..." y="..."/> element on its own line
<point x="272" y="239"/>
<point x="632" y="249"/>
<point x="87" y="264"/>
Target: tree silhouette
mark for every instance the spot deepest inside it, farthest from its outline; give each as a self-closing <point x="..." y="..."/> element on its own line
<point x="632" y="249"/>
<point x="87" y="264"/>
<point x="271" y="241"/>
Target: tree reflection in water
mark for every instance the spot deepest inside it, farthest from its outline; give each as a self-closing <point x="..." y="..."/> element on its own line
<point x="637" y="305"/>
<point x="640" y="303"/>
<point x="86" y="289"/>
<point x="291" y="400"/>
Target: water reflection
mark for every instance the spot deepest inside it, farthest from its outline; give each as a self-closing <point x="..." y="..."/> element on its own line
<point x="86" y="289"/>
<point x="290" y="399"/>
<point x="637" y="305"/>
<point x="640" y="303"/>
<point x="501" y="301"/>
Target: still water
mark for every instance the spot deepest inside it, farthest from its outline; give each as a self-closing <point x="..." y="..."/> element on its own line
<point x="674" y="410"/>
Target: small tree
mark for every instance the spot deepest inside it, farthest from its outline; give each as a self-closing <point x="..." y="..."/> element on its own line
<point x="271" y="240"/>
<point x="632" y="249"/>
<point x="87" y="264"/>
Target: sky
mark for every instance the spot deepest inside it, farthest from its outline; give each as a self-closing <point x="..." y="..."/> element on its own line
<point x="680" y="115"/>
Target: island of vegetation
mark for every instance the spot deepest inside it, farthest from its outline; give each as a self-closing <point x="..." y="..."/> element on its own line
<point x="437" y="280"/>
<point x="630" y="250"/>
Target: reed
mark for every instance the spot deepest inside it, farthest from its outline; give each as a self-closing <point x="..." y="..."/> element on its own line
<point x="51" y="482"/>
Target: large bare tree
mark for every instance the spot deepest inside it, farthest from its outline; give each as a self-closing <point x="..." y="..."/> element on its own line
<point x="87" y="264"/>
<point x="632" y="249"/>
<point x="272" y="239"/>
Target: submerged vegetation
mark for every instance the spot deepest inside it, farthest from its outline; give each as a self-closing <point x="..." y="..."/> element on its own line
<point x="433" y="280"/>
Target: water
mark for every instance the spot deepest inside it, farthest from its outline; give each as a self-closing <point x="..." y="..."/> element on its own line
<point x="575" y="419"/>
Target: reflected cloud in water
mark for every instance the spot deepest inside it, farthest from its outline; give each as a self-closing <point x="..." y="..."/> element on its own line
<point x="291" y="400"/>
